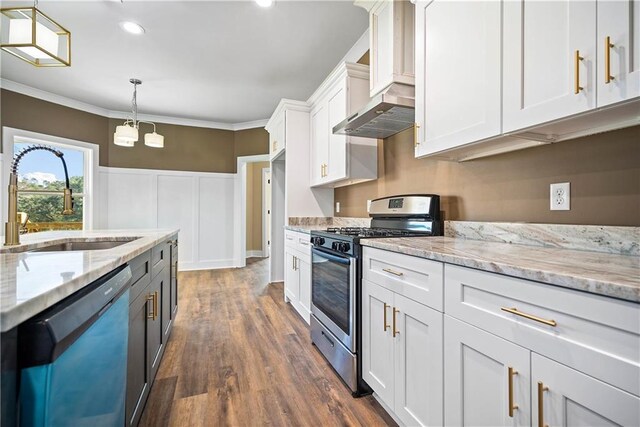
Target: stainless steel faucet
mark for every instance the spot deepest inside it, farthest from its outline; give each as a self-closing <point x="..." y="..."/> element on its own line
<point x="12" y="226"/>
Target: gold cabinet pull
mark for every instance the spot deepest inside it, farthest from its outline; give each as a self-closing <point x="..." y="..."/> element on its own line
<point x="395" y="273"/>
<point x="155" y="305"/>
<point x="541" y="390"/>
<point x="529" y="316"/>
<point x="512" y="407"/>
<point x="578" y="58"/>
<point x="416" y="126"/>
<point x="151" y="313"/>
<point x="385" y="316"/>
<point x="607" y="60"/>
<point x="395" y="331"/>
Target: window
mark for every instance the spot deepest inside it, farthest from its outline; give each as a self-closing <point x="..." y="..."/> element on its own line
<point x="41" y="181"/>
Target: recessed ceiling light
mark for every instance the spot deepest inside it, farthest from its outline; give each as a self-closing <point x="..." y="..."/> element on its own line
<point x="264" y="3"/>
<point x="132" y="27"/>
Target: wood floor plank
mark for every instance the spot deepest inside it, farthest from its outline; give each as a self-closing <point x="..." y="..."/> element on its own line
<point x="239" y="356"/>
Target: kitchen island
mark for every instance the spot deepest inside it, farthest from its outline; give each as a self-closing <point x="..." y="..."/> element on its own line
<point x="52" y="268"/>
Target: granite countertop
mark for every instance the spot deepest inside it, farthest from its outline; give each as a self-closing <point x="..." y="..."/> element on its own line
<point x="305" y="228"/>
<point x="33" y="282"/>
<point x="605" y="274"/>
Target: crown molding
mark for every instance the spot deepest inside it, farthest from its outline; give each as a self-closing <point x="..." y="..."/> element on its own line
<point x="112" y="114"/>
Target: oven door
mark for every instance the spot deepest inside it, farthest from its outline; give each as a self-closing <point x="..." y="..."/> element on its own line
<point x="333" y="294"/>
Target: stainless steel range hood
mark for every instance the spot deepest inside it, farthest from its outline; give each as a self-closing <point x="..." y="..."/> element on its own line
<point x="389" y="112"/>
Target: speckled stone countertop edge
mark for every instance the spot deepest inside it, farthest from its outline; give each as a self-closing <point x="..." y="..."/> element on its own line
<point x="540" y="272"/>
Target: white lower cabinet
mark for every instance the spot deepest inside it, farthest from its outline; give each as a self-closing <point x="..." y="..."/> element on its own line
<point x="483" y="374"/>
<point x="563" y="396"/>
<point x="402" y="354"/>
<point x="297" y="272"/>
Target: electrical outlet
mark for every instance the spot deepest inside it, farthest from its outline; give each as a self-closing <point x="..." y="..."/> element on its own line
<point x="337" y="207"/>
<point x="369" y="205"/>
<point x="560" y="196"/>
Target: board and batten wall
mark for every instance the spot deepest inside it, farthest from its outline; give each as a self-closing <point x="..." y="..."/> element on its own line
<point x="603" y="169"/>
<point x="189" y="184"/>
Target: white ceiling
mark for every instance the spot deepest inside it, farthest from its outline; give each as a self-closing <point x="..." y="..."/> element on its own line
<point x="227" y="62"/>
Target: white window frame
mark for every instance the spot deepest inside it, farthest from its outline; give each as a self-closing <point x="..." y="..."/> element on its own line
<point x="91" y="154"/>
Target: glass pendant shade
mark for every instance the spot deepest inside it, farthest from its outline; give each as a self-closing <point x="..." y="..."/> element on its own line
<point x="34" y="37"/>
<point x="125" y="135"/>
<point x="154" y="140"/>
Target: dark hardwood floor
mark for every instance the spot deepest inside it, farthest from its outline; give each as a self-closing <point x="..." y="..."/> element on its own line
<point x="240" y="356"/>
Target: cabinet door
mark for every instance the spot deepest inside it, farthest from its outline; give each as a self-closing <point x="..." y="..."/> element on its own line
<point x="477" y="380"/>
<point x="277" y="135"/>
<point x="418" y="363"/>
<point x="304" y="283"/>
<point x="618" y="20"/>
<point x="458" y="73"/>
<point x="154" y="325"/>
<point x="566" y="397"/>
<point x="138" y="382"/>
<point x="174" y="281"/>
<point x="291" y="278"/>
<point x="541" y="73"/>
<point x="377" y="340"/>
<point x="165" y="303"/>
<point x="337" y="112"/>
<point x="381" y="42"/>
<point x="319" y="143"/>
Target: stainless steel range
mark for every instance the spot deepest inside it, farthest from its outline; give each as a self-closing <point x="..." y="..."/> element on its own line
<point x="336" y="277"/>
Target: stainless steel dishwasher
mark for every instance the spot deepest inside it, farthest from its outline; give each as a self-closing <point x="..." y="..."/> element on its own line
<point x="73" y="357"/>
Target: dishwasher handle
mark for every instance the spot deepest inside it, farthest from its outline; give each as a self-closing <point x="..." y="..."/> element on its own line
<point x="44" y="337"/>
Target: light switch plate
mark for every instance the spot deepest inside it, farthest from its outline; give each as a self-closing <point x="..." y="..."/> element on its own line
<point x="560" y="196"/>
<point x="337" y="207"/>
<point x="369" y="205"/>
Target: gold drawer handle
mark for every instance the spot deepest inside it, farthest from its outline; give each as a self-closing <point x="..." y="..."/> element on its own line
<point x="577" y="87"/>
<point x="395" y="331"/>
<point x="607" y="60"/>
<point x="395" y="273"/>
<point x="151" y="314"/>
<point x="416" y="126"/>
<point x="512" y="407"/>
<point x="541" y="390"/>
<point x="385" y="316"/>
<point x="529" y="316"/>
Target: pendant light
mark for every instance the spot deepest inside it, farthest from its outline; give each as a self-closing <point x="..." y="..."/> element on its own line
<point x="126" y="135"/>
<point x="32" y="36"/>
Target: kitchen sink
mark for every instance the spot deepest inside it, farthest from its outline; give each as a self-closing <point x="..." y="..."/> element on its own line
<point x="82" y="246"/>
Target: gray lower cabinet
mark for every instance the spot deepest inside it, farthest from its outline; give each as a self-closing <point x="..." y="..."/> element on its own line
<point x="150" y="322"/>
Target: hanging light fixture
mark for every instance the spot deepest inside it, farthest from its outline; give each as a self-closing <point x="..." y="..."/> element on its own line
<point x="32" y="36"/>
<point x="126" y="135"/>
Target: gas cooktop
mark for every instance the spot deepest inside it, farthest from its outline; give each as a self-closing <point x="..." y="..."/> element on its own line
<point x="372" y="232"/>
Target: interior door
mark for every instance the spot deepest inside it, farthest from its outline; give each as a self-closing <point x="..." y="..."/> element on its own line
<point x="543" y="78"/>
<point x="477" y="381"/>
<point x="619" y="23"/>
<point x="377" y="340"/>
<point x="566" y="397"/>
<point x="266" y="240"/>
<point x="418" y="363"/>
<point x="458" y="73"/>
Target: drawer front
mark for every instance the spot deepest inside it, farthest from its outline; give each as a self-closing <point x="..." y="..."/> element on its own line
<point x="160" y="255"/>
<point x="592" y="334"/>
<point x="300" y="242"/>
<point x="141" y="274"/>
<point x="416" y="278"/>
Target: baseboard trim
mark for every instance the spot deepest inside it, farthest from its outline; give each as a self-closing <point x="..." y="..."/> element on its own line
<point x="255" y="254"/>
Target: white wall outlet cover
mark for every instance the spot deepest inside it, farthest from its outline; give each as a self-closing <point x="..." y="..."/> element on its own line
<point x="369" y="205"/>
<point x="337" y="207"/>
<point x="560" y="196"/>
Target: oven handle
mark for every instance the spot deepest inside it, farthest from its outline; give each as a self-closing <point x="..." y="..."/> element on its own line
<point x="338" y="259"/>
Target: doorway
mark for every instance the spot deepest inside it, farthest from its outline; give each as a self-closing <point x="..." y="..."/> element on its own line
<point x="266" y="212"/>
<point x="255" y="210"/>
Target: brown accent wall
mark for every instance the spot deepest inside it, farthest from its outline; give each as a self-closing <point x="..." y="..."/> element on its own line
<point x="187" y="148"/>
<point x="27" y="113"/>
<point x="254" y="205"/>
<point x="604" y="171"/>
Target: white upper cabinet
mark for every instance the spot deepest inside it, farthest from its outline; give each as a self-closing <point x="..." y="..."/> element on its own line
<point x="618" y="45"/>
<point x="277" y="133"/>
<point x="391" y="35"/>
<point x="549" y="61"/>
<point x="457" y="73"/>
<point x="338" y="160"/>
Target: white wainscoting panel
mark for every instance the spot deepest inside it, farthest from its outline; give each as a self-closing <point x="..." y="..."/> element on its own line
<point x="199" y="204"/>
